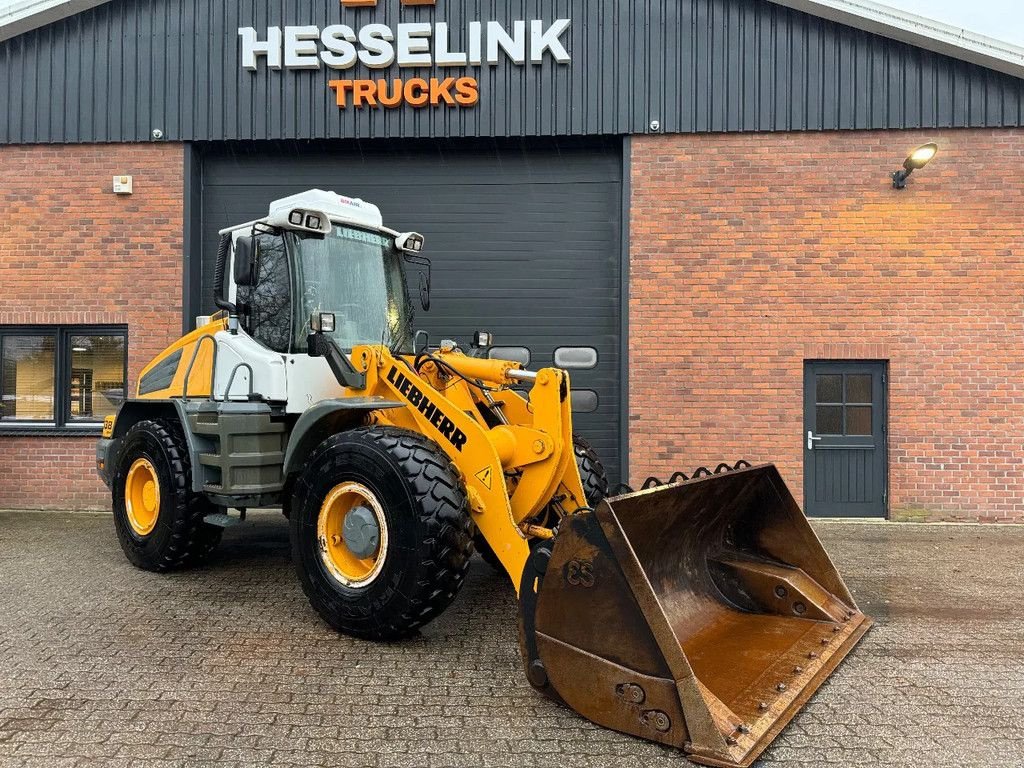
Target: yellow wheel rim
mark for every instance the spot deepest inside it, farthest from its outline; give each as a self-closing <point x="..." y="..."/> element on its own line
<point x="350" y="568"/>
<point x="142" y="497"/>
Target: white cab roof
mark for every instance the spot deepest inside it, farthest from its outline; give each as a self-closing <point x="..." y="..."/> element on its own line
<point x="339" y="208"/>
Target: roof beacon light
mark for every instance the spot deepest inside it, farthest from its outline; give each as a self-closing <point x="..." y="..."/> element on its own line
<point x="917" y="159"/>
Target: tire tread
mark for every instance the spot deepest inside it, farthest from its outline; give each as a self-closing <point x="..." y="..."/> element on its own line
<point x="445" y="542"/>
<point x="191" y="540"/>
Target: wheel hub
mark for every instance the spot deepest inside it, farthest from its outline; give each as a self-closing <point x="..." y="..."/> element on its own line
<point x="142" y="497"/>
<point x="361" y="531"/>
<point x="352" y="534"/>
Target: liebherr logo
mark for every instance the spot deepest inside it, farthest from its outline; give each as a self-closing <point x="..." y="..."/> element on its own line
<point x="430" y="411"/>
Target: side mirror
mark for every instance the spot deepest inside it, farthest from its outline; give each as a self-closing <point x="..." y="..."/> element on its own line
<point x="425" y="289"/>
<point x="411" y="245"/>
<point x="246" y="254"/>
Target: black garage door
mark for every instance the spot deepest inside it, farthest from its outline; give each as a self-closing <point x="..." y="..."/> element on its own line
<point x="525" y="242"/>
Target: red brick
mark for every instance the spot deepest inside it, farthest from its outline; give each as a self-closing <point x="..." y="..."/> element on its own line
<point x="753" y="252"/>
<point x="71" y="251"/>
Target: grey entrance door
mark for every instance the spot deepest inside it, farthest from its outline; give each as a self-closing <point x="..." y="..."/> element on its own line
<point x="845" y="462"/>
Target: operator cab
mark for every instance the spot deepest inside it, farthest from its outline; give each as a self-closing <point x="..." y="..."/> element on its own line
<point x="321" y="263"/>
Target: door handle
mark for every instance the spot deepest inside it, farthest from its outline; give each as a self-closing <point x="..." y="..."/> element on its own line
<point x="811" y="440"/>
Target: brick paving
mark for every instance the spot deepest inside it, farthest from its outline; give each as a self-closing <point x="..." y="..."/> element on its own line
<point x="101" y="664"/>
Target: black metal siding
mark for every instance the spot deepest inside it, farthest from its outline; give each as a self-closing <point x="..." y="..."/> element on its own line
<point x="115" y="72"/>
<point x="525" y="238"/>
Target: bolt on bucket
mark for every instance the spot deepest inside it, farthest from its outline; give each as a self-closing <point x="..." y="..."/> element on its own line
<point x="701" y="615"/>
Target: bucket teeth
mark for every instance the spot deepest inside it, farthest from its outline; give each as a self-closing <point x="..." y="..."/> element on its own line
<point x="700" y="614"/>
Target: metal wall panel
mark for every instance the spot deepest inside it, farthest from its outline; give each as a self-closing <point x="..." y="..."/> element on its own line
<point x="524" y="237"/>
<point x="117" y="71"/>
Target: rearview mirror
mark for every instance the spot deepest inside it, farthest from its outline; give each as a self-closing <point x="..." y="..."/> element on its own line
<point x="246" y="253"/>
<point x="425" y="289"/>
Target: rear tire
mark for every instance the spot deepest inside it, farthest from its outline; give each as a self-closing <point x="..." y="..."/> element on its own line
<point x="592" y="472"/>
<point x="166" y="531"/>
<point x="486" y="553"/>
<point x="403" y="484"/>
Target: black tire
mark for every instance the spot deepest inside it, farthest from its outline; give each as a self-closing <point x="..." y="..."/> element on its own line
<point x="180" y="538"/>
<point x="428" y="529"/>
<point x="592" y="473"/>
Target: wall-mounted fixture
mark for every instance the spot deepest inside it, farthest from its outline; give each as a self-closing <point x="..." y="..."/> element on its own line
<point x="919" y="158"/>
<point x="122" y="185"/>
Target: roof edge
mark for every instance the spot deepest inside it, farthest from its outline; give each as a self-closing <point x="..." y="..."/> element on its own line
<point x="946" y="39"/>
<point x="25" y="15"/>
<point x="936" y="36"/>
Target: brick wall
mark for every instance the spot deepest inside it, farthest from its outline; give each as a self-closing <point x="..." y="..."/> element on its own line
<point x="73" y="252"/>
<point x="754" y="252"/>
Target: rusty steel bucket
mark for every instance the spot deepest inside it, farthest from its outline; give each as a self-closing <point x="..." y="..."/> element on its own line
<point x="701" y="615"/>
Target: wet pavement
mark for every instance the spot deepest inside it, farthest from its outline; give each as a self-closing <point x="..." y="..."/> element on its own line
<point x="101" y="664"/>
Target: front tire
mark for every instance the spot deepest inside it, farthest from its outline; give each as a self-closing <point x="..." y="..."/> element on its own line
<point x="157" y="517"/>
<point x="380" y="532"/>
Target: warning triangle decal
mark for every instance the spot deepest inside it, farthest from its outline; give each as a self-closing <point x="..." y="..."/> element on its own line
<point x="484" y="476"/>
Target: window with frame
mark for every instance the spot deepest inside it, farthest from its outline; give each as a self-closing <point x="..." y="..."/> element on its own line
<point x="54" y="377"/>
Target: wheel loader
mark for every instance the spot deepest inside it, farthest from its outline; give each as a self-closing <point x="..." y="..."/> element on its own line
<point x="700" y="613"/>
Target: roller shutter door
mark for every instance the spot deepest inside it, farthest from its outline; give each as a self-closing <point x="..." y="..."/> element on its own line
<point x="525" y="242"/>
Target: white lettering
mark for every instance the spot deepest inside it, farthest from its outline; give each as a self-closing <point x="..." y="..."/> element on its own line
<point x="413" y="46"/>
<point x="475" y="42"/>
<point x="340" y="53"/>
<point x="252" y="47"/>
<point x="378" y="52"/>
<point x="340" y="46"/>
<point x="300" y="48"/>
<point x="548" y="40"/>
<point x="442" y="56"/>
<point x="514" y="45"/>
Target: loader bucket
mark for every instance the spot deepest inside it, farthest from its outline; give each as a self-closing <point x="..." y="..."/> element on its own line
<point x="701" y="615"/>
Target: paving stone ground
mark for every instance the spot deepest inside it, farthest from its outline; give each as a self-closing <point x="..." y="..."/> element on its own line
<point x="101" y="664"/>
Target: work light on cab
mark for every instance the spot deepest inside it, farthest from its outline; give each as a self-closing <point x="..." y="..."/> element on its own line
<point x="409" y="242"/>
<point x="322" y="322"/>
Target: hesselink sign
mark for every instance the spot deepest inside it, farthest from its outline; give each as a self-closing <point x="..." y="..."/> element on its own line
<point x="341" y="47"/>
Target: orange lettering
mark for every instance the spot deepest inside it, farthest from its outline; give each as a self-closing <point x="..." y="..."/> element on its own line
<point x="416" y="92"/>
<point x="441" y="89"/>
<point x="364" y="89"/>
<point x="393" y="99"/>
<point x="467" y="91"/>
<point x="340" y="88"/>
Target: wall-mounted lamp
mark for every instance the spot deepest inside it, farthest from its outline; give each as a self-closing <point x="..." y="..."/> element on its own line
<point x="919" y="158"/>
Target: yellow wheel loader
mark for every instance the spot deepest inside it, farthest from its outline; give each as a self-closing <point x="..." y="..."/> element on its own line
<point x="700" y="613"/>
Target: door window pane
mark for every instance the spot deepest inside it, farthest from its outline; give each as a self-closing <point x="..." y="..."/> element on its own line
<point x="519" y="355"/>
<point x="268" y="303"/>
<point x="858" y="388"/>
<point x="829" y="388"/>
<point x="26" y="378"/>
<point x="576" y="357"/>
<point x="583" y="400"/>
<point x="96" y="387"/>
<point x="858" y="420"/>
<point x="829" y="420"/>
